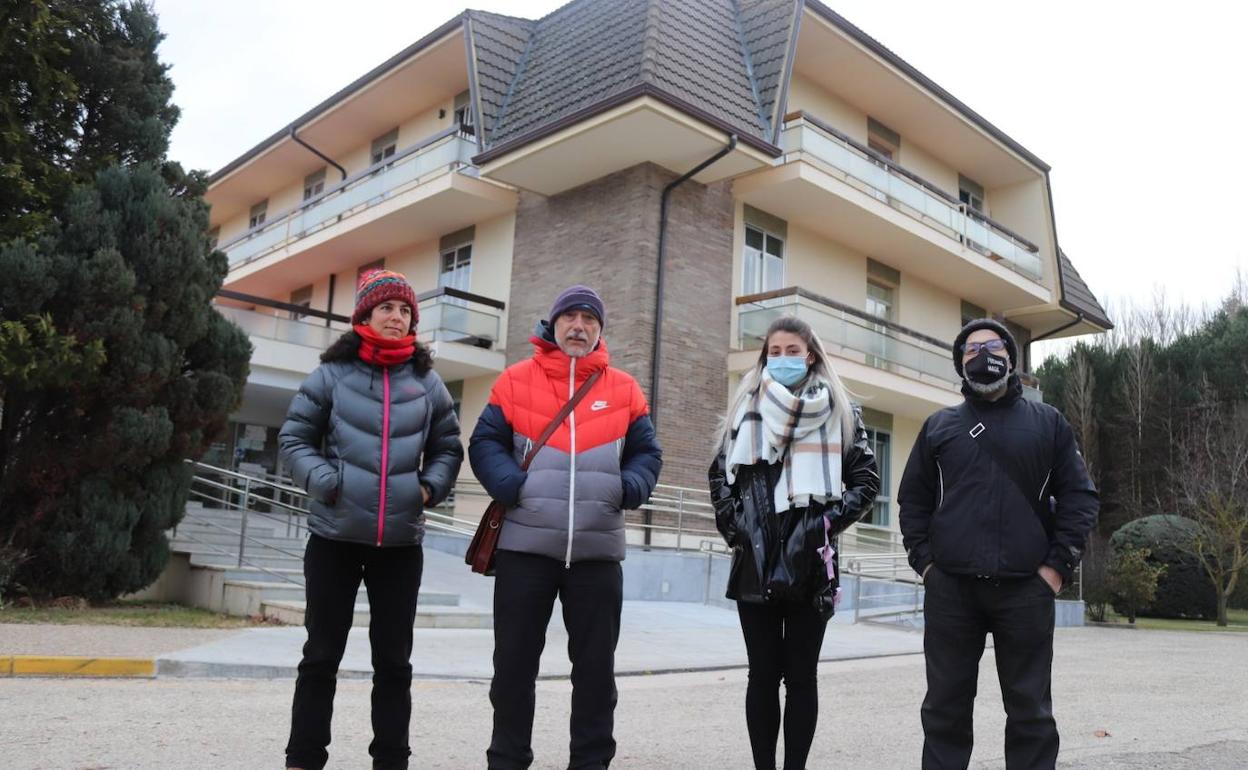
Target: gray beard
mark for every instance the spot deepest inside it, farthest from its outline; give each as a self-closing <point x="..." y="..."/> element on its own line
<point x="990" y="388"/>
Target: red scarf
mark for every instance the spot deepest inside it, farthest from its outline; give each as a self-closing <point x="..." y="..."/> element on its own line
<point x="384" y="351"/>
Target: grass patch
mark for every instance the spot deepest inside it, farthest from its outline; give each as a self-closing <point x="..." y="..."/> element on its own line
<point x="142" y="614"/>
<point x="1237" y="620"/>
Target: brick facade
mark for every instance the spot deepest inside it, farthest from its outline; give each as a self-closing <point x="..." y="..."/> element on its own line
<point x="605" y="234"/>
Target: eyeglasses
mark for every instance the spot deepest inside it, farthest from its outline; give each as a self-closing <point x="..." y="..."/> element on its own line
<point x="993" y="346"/>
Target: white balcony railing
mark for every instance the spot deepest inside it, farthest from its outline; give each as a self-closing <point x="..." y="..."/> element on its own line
<point x="273" y="327"/>
<point x="449" y="315"/>
<point x="834" y="152"/>
<point x="881" y="344"/>
<point x="444" y="152"/>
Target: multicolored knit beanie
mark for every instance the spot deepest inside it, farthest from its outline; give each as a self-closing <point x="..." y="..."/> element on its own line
<point x="377" y="286"/>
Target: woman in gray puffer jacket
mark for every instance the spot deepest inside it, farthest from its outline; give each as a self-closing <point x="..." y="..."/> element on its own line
<point x="372" y="435"/>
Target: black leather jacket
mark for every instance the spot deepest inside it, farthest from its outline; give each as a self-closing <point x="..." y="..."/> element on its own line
<point x="774" y="557"/>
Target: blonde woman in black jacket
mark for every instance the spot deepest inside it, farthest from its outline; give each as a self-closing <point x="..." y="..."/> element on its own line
<point x="793" y="470"/>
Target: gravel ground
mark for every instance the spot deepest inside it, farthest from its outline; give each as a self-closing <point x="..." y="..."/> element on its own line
<point x="1165" y="700"/>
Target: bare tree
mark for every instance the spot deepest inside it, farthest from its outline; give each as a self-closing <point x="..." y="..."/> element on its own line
<point x="1139" y="384"/>
<point x="1212" y="482"/>
<point x="1081" y="410"/>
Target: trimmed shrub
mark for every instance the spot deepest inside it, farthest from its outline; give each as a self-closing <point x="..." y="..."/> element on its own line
<point x="1183" y="590"/>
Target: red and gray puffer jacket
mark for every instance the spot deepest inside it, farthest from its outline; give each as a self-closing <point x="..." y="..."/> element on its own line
<point x="603" y="460"/>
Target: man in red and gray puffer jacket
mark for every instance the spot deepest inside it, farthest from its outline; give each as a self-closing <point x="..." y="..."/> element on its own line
<point x="563" y="534"/>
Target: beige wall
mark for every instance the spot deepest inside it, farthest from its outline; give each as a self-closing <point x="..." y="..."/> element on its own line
<point x="476" y="396"/>
<point x="805" y="95"/>
<point x="905" y="433"/>
<point x="1024" y="208"/>
<point x="928" y="309"/>
<point x="491" y="262"/>
<point x="826" y="267"/>
<point x="920" y="161"/>
<point x="287" y="193"/>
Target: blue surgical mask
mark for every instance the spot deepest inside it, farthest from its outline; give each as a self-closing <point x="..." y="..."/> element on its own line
<point x="787" y="370"/>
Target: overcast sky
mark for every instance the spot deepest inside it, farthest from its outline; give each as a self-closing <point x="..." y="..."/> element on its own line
<point x="1136" y="106"/>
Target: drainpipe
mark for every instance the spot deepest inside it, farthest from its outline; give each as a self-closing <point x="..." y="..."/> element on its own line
<point x="658" y="302"/>
<point x="317" y="152"/>
<point x="329" y="304"/>
<point x="1078" y="320"/>
<point x="658" y="299"/>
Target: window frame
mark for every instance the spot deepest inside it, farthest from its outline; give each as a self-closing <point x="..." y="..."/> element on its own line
<point x="761" y="259"/>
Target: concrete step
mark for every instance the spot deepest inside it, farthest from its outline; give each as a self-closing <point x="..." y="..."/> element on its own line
<point x="292" y="612"/>
<point x="219" y="537"/>
<point x="204" y="556"/>
<point x="246" y="597"/>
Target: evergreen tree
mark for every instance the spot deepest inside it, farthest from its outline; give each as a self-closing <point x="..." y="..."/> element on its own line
<point x="114" y="367"/>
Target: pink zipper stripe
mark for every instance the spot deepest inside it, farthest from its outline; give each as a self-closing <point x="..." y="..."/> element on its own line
<point x="385" y="451"/>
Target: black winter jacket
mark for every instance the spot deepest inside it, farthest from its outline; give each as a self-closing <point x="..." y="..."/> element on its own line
<point x="961" y="510"/>
<point x="774" y="557"/>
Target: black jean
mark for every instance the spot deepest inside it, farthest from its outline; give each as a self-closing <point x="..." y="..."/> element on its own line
<point x="591" y="592"/>
<point x="332" y="571"/>
<point x="782" y="642"/>
<point x="959" y="611"/>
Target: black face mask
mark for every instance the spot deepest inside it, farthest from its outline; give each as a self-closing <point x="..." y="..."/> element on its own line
<point x="986" y="368"/>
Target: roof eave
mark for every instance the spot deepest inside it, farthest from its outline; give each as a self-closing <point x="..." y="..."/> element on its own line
<point x="879" y="50"/>
<point x="342" y="94"/>
<point x="615" y="100"/>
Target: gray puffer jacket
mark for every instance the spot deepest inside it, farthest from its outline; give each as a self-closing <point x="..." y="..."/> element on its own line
<point x="335" y="440"/>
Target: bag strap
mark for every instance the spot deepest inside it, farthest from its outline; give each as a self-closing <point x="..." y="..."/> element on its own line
<point x="559" y="418"/>
<point x="973" y="422"/>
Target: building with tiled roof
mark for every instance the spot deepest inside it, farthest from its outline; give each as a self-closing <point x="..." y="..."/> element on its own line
<point x="499" y="159"/>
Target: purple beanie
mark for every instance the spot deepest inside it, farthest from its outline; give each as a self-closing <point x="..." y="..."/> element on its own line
<point x="578" y="298"/>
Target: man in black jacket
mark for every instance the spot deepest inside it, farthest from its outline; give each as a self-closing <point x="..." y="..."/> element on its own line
<point x="996" y="504"/>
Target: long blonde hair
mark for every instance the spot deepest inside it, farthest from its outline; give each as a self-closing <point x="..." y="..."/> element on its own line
<point x="821" y="371"/>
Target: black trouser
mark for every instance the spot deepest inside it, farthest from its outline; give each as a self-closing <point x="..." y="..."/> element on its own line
<point x="591" y="592"/>
<point x="958" y="612"/>
<point x="332" y="571"/>
<point x="782" y="642"/>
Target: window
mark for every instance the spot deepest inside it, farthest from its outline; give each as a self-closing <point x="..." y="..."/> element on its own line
<point x="258" y="214"/>
<point x="378" y="264"/>
<point x="763" y="260"/>
<point x="384" y="146"/>
<point x="303" y="298"/>
<point x="971" y="311"/>
<point x="463" y="115"/>
<point x="314" y="184"/>
<point x="880" y="442"/>
<point x="455" y="270"/>
<point x="887" y="144"/>
<point x="883" y="139"/>
<point x="882" y="284"/>
<point x="880" y="300"/>
<point x="971" y="193"/>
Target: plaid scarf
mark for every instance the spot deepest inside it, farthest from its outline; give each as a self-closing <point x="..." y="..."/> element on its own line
<point x="803" y="430"/>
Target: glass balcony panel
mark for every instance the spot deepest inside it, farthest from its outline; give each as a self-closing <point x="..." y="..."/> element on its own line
<point x="367" y="190"/>
<point x="890" y="185"/>
<point x="881" y="346"/>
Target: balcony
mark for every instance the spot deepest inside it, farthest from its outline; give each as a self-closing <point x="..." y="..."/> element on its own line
<point x="886" y="364"/>
<point x="463" y="330"/>
<point x="418" y="194"/>
<point x="848" y="193"/>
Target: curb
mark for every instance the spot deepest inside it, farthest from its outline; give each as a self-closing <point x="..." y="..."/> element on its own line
<point x="76" y="666"/>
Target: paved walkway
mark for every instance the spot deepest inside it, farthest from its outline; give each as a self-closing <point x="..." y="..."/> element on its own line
<point x="1165" y="699"/>
<point x="655" y="637"/>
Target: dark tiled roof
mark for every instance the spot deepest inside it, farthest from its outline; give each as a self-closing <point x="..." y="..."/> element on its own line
<point x="725" y="64"/>
<point x="498" y="44"/>
<point x="1076" y="295"/>
<point x="768" y="27"/>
